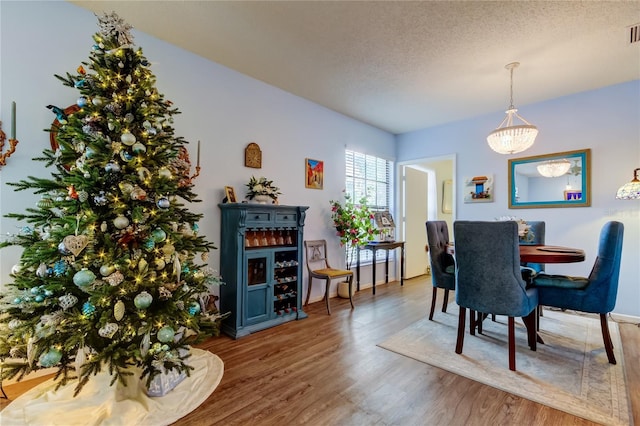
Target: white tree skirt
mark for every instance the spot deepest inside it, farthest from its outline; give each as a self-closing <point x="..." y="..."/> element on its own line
<point x="101" y="404"/>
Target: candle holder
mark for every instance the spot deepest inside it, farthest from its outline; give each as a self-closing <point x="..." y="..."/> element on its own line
<point x="12" y="147"/>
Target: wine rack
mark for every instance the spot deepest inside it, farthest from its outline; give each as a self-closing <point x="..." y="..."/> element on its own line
<point x="261" y="266"/>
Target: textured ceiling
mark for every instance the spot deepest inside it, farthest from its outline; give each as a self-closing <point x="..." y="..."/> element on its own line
<point x="403" y="65"/>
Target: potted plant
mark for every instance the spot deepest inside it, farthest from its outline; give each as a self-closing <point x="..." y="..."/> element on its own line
<point x="355" y="227"/>
<point x="262" y="191"/>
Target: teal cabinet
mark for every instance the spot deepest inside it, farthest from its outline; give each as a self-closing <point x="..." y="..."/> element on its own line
<point x="261" y="266"/>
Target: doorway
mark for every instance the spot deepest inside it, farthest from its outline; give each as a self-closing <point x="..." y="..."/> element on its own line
<point x="427" y="192"/>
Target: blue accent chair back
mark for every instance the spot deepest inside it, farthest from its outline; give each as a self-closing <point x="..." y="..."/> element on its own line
<point x="537" y="228"/>
<point x="442" y="263"/>
<point x="488" y="278"/>
<point x="595" y="294"/>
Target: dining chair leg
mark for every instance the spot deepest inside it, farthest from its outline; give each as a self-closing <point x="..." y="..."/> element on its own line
<point x="351" y="291"/>
<point x="472" y="322"/>
<point x="606" y="336"/>
<point x="461" y="321"/>
<point x="512" y="344"/>
<point x="532" y="330"/>
<point x="433" y="302"/>
<point x="445" y="302"/>
<point x="326" y="295"/>
<point x="308" y="290"/>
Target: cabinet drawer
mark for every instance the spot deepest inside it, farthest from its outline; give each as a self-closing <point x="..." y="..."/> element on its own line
<point x="258" y="217"/>
<point x="289" y="218"/>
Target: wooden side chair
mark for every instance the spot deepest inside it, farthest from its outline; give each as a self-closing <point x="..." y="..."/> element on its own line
<point x="318" y="266"/>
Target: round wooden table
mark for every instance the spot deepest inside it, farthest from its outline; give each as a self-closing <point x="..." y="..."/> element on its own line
<point x="550" y="254"/>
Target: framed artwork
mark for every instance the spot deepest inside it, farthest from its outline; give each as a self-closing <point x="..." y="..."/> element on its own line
<point x="314" y="173"/>
<point x="230" y="194"/>
<point x="478" y="189"/>
<point x="384" y="219"/>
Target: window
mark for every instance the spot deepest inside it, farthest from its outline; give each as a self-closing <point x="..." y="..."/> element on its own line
<point x="370" y="176"/>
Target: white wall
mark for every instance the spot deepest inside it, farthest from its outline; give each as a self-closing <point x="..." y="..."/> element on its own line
<point x="607" y="121"/>
<point x="223" y="109"/>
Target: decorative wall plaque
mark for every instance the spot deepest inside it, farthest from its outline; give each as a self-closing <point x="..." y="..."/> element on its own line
<point x="253" y="156"/>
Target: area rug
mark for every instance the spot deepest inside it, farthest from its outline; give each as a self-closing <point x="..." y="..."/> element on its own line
<point x="101" y="404"/>
<point x="570" y="372"/>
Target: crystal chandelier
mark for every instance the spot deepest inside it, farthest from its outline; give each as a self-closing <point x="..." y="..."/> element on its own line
<point x="554" y="168"/>
<point x="631" y="190"/>
<point x="508" y="138"/>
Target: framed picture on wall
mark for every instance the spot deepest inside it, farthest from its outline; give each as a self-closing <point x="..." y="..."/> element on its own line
<point x="314" y="173"/>
<point x="479" y="189"/>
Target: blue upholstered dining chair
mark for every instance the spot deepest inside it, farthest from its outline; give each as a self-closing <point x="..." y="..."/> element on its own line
<point x="442" y="263"/>
<point x="537" y="229"/>
<point x="488" y="279"/>
<point x="596" y="293"/>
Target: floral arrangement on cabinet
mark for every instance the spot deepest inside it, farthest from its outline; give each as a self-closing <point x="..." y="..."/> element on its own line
<point x="262" y="190"/>
<point x="354" y="224"/>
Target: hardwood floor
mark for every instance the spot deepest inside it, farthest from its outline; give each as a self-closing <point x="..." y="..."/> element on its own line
<point x="327" y="370"/>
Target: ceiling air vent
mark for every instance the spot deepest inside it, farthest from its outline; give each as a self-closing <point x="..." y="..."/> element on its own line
<point x="634" y="33"/>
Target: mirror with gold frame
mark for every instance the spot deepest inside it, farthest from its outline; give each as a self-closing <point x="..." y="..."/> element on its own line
<point x="562" y="179"/>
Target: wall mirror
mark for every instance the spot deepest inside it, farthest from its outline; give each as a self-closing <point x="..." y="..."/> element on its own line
<point x="562" y="179"/>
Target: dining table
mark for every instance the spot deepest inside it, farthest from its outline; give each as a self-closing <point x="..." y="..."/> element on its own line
<point x="543" y="253"/>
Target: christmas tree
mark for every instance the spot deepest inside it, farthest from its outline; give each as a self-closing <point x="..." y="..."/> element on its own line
<point x="107" y="278"/>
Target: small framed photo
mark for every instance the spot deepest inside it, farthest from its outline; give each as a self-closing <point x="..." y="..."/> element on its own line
<point x="230" y="193"/>
<point x="314" y="173"/>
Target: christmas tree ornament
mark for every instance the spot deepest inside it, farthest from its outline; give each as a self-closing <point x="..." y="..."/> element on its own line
<point x="158" y="235"/>
<point x="126" y="156"/>
<point x="39" y="298"/>
<point x="106" y="270"/>
<point x="143" y="300"/>
<point x="100" y="199"/>
<point x="50" y="357"/>
<point x="165" y="334"/>
<point x="41" y="271"/>
<point x="115" y="279"/>
<point x="104" y="227"/>
<point x="62" y="249"/>
<point x="125" y="188"/>
<point x="67" y="301"/>
<point x="163" y="203"/>
<point x="168" y="249"/>
<point x="139" y="148"/>
<point x="83" y="278"/>
<point x="82" y="101"/>
<point x="121" y="222"/>
<point x="60" y="267"/>
<point x="112" y="167"/>
<point x="83" y="195"/>
<point x="109" y="330"/>
<point x="165" y="173"/>
<point x="81" y="70"/>
<point x="75" y="243"/>
<point x="205" y="256"/>
<point x="164" y="293"/>
<point x="14" y="323"/>
<point x="89" y="153"/>
<point x="149" y="244"/>
<point x="145" y="344"/>
<point x="128" y="138"/>
<point x="72" y="192"/>
<point x="45" y="203"/>
<point x="118" y="310"/>
<point x="159" y="264"/>
<point x="138" y="193"/>
<point x="88" y="309"/>
<point x="97" y="101"/>
<point x="143" y="172"/>
<point x="129" y="119"/>
<point x="143" y="266"/>
<point x="194" y="308"/>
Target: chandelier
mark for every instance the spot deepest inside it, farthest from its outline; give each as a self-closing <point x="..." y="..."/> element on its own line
<point x="631" y="190"/>
<point x="554" y="168"/>
<point x="508" y="138"/>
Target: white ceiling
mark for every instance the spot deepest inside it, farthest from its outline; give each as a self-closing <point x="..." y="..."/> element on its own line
<point x="404" y="65"/>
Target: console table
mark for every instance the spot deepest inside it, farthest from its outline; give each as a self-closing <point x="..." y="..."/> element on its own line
<point x="381" y="245"/>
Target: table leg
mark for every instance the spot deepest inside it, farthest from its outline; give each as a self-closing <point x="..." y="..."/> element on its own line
<point x="373" y="270"/>
<point x="358" y="269"/>
<point x="386" y="267"/>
